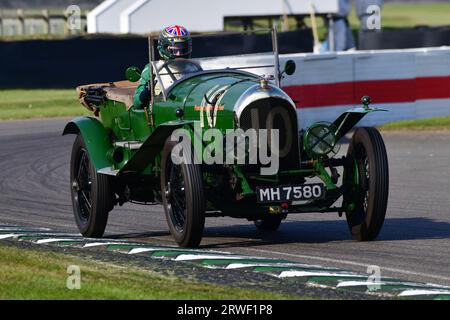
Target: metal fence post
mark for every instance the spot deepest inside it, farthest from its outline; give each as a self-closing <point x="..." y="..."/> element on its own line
<point x="331" y="44"/>
<point x="46" y="18"/>
<point x="21" y="19"/>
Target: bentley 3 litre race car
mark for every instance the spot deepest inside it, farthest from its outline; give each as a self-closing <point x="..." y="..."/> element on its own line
<point x="124" y="154"/>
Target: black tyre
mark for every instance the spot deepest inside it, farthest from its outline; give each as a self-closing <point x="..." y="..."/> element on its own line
<point x="269" y="224"/>
<point x="92" y="195"/>
<point x="183" y="197"/>
<point x="367" y="175"/>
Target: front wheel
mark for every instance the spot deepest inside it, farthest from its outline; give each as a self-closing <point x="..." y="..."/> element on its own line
<point x="183" y="196"/>
<point x="367" y="177"/>
<point x="92" y="195"/>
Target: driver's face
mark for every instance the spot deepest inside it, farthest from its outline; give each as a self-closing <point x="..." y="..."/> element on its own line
<point x="177" y="52"/>
<point x="178" y="49"/>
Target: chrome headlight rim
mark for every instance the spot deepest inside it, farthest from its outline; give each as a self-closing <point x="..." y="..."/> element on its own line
<point x="320" y="140"/>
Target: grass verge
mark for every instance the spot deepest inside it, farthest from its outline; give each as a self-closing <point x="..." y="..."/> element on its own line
<point x="28" y="104"/>
<point x="440" y="123"/>
<point x="36" y="274"/>
<point x="399" y="15"/>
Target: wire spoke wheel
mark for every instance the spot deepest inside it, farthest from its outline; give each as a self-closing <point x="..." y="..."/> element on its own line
<point x="92" y="195"/>
<point x="367" y="177"/>
<point x="82" y="185"/>
<point x="366" y="181"/>
<point x="176" y="197"/>
<point x="183" y="196"/>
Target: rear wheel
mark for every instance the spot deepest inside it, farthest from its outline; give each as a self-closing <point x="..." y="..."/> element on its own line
<point x="92" y="195"/>
<point x="183" y="197"/>
<point x="269" y="224"/>
<point x="367" y="176"/>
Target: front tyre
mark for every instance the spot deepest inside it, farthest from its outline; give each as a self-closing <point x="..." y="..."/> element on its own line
<point x="367" y="177"/>
<point x="183" y="196"/>
<point x="92" y="195"/>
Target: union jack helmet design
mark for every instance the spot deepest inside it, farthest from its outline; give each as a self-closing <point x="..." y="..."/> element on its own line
<point x="177" y="31"/>
<point x="174" y="42"/>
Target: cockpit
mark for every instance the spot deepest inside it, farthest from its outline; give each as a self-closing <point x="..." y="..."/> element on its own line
<point x="168" y="72"/>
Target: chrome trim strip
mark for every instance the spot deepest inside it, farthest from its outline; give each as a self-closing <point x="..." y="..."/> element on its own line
<point x="255" y="93"/>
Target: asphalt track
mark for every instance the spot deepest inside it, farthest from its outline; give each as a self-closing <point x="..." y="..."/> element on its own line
<point x="414" y="243"/>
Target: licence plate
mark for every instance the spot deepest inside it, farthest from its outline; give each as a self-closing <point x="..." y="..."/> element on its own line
<point x="290" y="193"/>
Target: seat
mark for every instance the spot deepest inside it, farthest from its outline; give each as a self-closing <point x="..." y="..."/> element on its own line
<point x="121" y="94"/>
<point x="121" y="91"/>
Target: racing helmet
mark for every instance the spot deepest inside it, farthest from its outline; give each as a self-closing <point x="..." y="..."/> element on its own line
<point x="174" y="42"/>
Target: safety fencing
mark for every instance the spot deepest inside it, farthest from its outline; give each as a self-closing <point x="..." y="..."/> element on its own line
<point x="74" y="61"/>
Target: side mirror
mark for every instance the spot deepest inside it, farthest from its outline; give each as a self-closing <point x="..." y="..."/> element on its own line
<point x="290" y="67"/>
<point x="132" y="74"/>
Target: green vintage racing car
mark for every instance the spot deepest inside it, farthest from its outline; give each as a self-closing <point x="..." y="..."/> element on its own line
<point x="124" y="154"/>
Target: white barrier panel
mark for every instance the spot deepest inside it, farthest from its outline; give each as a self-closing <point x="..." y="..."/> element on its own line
<point x="320" y="68"/>
<point x="411" y="84"/>
<point x="143" y="16"/>
<point x="105" y="17"/>
<point x="433" y="62"/>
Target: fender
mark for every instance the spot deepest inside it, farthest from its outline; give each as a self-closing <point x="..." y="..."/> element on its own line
<point x="153" y="145"/>
<point x="95" y="137"/>
<point x="350" y="118"/>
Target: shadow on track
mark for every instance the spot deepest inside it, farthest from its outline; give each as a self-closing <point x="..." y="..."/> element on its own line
<point x="139" y="235"/>
<point x="394" y="229"/>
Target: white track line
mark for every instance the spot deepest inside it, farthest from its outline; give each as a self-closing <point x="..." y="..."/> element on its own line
<point x="19" y="234"/>
<point x="408" y="293"/>
<point x="15" y="235"/>
<point x="359" y="284"/>
<point x="10" y="235"/>
<point x="351" y="263"/>
<point x="384" y="283"/>
<point x="289" y="274"/>
<point x="248" y="265"/>
<point x="98" y="244"/>
<point x="145" y="249"/>
<point x="187" y="257"/>
<point x="24" y="229"/>
<point x="141" y="250"/>
<point x="52" y="240"/>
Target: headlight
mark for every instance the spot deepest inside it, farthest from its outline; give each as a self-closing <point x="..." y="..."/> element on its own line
<point x="320" y="140"/>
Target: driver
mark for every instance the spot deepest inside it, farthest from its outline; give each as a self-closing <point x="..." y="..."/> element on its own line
<point x="174" y="46"/>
